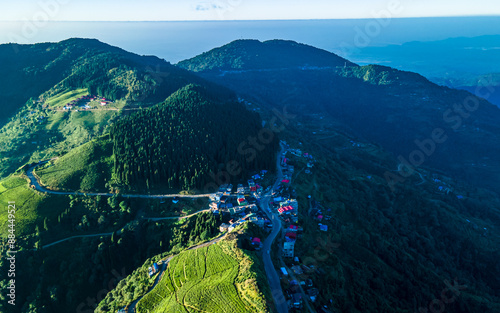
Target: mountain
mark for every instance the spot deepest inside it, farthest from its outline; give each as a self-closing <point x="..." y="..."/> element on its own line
<point x="38" y="81"/>
<point x="394" y="169"/>
<point x="30" y="70"/>
<point x="256" y="55"/>
<point x="396" y="109"/>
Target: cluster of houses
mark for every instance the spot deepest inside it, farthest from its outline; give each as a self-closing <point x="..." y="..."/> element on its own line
<point x="444" y="187"/>
<point x="289" y="169"/>
<point x="250" y="217"/>
<point x="287" y="210"/>
<point x="83" y="102"/>
<point x="303" y="281"/>
<point x="317" y="213"/>
<point x="241" y="204"/>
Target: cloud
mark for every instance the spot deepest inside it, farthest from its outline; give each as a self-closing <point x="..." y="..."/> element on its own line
<point x="207" y="6"/>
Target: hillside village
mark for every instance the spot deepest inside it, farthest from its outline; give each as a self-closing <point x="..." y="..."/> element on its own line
<point x="242" y="204"/>
<point x="86" y="102"/>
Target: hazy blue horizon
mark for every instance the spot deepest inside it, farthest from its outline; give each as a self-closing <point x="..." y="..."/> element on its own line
<point x="178" y="40"/>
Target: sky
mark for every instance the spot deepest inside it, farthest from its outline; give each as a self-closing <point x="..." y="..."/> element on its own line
<point x="174" y="10"/>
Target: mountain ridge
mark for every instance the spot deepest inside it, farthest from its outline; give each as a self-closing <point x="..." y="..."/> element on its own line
<point x="251" y="56"/>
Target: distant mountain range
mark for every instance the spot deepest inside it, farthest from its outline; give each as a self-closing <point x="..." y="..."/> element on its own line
<point x="455" y="62"/>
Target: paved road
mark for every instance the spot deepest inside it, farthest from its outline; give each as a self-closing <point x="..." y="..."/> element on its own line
<point x="80" y="236"/>
<point x="154" y="219"/>
<point x="34" y="182"/>
<point x="272" y="275"/>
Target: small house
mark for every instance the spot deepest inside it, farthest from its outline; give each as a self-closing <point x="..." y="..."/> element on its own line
<point x="297" y="300"/>
<point x="240" y="189"/>
<point x="256" y="241"/>
<point x="292" y="228"/>
<point x="297" y="270"/>
<point x="242" y="201"/>
<point x="283" y="271"/>
<point x="223" y="227"/>
<point x="288" y="249"/>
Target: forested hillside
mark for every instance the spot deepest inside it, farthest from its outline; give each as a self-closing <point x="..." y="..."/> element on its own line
<point x="178" y="143"/>
<point x="393" y="108"/>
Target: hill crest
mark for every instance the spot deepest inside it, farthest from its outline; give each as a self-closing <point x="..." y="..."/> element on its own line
<point x="249" y="54"/>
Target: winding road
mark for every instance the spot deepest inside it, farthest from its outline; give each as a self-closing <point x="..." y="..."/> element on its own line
<point x="272" y="275"/>
<point x="154" y="219"/>
<point x="80" y="236"/>
<point x="34" y="182"/>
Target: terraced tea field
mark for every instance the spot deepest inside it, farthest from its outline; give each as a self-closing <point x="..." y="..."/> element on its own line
<point x="201" y="280"/>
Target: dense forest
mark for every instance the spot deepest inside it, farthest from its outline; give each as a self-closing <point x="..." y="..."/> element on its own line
<point x="187" y="139"/>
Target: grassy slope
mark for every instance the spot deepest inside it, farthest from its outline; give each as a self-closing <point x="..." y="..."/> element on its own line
<point x="32" y="207"/>
<point x="65" y="97"/>
<point x="36" y="134"/>
<point x="215" y="279"/>
<point x="85" y="168"/>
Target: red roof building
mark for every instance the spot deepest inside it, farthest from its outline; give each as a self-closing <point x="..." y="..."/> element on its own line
<point x="285" y="209"/>
<point x="292" y="228"/>
<point x="256" y="240"/>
